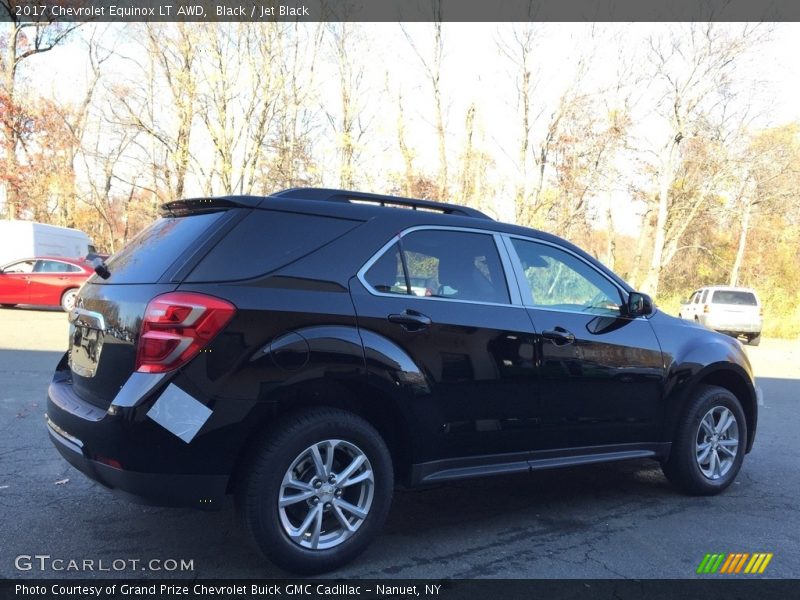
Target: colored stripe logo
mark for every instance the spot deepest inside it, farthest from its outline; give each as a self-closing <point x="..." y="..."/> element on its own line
<point x="736" y="562"/>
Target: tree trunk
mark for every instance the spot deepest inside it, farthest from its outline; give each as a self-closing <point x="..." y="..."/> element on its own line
<point x="10" y="133"/>
<point x="737" y="264"/>
<point x="408" y="155"/>
<point x="611" y="242"/>
<point x="651" y="280"/>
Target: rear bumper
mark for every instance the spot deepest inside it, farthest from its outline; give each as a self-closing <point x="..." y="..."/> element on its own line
<point x="144" y="453"/>
<point x="731" y="326"/>
<point x="161" y="489"/>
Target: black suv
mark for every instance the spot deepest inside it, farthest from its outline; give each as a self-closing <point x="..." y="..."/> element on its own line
<point x="305" y="351"/>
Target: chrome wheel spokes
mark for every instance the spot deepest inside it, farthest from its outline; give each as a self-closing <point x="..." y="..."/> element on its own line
<point x="326" y="494"/>
<point x="717" y="442"/>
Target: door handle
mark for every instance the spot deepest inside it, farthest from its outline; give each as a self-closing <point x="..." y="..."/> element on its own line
<point x="559" y="336"/>
<point x="410" y="320"/>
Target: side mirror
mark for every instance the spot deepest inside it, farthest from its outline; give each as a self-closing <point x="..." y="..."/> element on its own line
<point x="639" y="305"/>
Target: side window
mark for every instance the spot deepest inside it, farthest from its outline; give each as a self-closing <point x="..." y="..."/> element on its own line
<point x="557" y="279"/>
<point x="442" y="264"/>
<point x="697" y="297"/>
<point x="705" y="295"/>
<point x="386" y="275"/>
<point x="51" y="266"/>
<point x="25" y="266"/>
<point x="455" y="264"/>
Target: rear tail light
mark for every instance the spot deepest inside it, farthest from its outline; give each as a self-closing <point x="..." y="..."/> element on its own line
<point x="176" y="327"/>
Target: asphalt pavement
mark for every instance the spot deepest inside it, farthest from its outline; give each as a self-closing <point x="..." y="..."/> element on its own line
<point x="608" y="521"/>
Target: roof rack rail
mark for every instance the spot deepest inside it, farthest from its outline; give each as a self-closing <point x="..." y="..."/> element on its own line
<point x="332" y="195"/>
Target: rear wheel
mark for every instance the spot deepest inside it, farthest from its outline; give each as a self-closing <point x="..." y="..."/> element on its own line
<point x="709" y="444"/>
<point x="68" y="299"/>
<point x="754" y="340"/>
<point x="317" y="492"/>
<point x="8" y="305"/>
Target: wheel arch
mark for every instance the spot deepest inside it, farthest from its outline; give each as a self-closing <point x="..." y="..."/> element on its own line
<point x="367" y="401"/>
<point x="731" y="377"/>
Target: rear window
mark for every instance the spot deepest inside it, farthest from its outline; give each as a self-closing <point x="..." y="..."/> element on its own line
<point x="147" y="256"/>
<point x="734" y="297"/>
<point x="267" y="240"/>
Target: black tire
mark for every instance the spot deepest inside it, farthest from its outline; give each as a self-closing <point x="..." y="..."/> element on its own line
<point x="68" y="299"/>
<point x="682" y="468"/>
<point x="261" y="484"/>
<point x="8" y="305"/>
<point x="754" y="340"/>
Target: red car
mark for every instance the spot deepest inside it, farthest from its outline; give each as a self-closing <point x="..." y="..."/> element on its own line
<point x="43" y="281"/>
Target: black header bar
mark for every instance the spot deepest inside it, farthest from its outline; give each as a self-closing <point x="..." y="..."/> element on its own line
<point x="710" y="588"/>
<point x="127" y="11"/>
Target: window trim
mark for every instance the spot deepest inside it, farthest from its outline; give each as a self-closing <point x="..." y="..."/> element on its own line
<point x="512" y="284"/>
<point x="522" y="282"/>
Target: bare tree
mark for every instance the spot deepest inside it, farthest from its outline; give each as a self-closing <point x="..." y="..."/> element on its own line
<point x="433" y="71"/>
<point x="405" y="150"/>
<point x="348" y="125"/>
<point x="24" y="38"/>
<point x="163" y="104"/>
<point x="694" y="69"/>
<point x="237" y="89"/>
<point x="520" y="51"/>
<point x="768" y="183"/>
<point x="290" y="142"/>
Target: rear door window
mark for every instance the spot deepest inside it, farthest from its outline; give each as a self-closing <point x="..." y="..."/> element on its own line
<point x="386" y="274"/>
<point x="54" y="266"/>
<point x="457" y="265"/>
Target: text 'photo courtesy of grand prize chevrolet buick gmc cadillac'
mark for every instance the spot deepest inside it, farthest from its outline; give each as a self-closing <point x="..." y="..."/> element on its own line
<point x="307" y="351"/>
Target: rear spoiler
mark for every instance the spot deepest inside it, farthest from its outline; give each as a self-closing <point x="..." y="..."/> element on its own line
<point x="195" y="206"/>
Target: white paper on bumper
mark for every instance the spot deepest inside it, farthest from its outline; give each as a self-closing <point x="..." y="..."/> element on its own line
<point x="179" y="413"/>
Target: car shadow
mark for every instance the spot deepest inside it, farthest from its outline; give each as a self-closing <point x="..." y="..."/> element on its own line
<point x="51" y="508"/>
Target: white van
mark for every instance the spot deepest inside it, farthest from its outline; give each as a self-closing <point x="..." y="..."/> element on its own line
<point x="26" y="239"/>
<point x="732" y="310"/>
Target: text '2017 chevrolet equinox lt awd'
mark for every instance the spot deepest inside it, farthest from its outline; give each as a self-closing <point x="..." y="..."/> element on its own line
<point x="305" y="351"/>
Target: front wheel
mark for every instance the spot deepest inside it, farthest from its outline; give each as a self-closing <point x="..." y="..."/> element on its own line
<point x="709" y="443"/>
<point x="68" y="299"/>
<point x="317" y="491"/>
<point x="754" y="340"/>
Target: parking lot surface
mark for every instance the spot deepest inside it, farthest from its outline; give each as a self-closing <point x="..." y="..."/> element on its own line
<point x="615" y="520"/>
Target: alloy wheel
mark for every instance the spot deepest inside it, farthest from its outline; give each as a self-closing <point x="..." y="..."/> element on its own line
<point x="717" y="442"/>
<point x="326" y="494"/>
